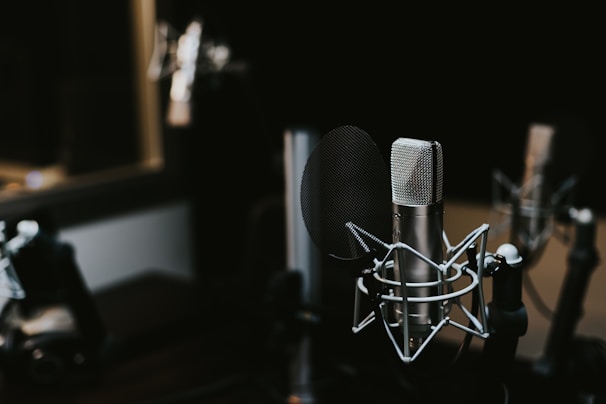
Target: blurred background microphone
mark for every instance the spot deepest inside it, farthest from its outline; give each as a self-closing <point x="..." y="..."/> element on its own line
<point x="417" y="183"/>
<point x="532" y="207"/>
<point x="557" y="153"/>
<point x="179" y="107"/>
<point x="186" y="57"/>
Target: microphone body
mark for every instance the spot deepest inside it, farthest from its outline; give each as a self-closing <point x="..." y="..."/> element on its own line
<point x="416" y="178"/>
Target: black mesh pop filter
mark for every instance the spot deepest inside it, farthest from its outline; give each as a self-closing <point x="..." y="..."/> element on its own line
<point x="345" y="181"/>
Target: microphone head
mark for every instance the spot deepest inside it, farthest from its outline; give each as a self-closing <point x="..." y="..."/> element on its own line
<point x="416" y="172"/>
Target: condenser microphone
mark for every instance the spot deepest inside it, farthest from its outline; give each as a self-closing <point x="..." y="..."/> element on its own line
<point x="532" y="211"/>
<point x="417" y="206"/>
<point x="348" y="211"/>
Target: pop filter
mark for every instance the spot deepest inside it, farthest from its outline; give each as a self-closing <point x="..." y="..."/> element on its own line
<point x="345" y="193"/>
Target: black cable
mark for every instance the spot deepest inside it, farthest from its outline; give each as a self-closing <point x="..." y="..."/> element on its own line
<point x="536" y="298"/>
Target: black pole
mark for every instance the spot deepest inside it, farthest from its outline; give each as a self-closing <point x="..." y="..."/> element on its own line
<point x="507" y="316"/>
<point x="582" y="260"/>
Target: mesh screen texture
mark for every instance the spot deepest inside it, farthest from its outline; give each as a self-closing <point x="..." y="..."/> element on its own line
<point x="416" y="172"/>
<point x="345" y="180"/>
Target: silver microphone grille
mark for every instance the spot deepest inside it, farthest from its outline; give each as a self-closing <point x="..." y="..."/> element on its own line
<point x="416" y="172"/>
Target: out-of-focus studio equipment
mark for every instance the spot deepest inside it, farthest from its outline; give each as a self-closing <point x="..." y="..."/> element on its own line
<point x="534" y="211"/>
<point x="183" y="57"/>
<point x="532" y="208"/>
<point x="303" y="261"/>
<point x="10" y="286"/>
<point x="51" y="333"/>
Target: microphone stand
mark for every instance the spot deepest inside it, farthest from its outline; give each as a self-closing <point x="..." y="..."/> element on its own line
<point x="507" y="316"/>
<point x="585" y="365"/>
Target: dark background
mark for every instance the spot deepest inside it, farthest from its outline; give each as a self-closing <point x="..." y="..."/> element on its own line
<point x="66" y="93"/>
<point x="473" y="79"/>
